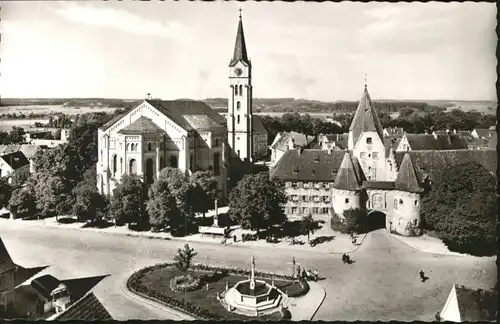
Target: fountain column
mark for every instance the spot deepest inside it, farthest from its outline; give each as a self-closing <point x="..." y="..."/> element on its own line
<point x="252" y="279"/>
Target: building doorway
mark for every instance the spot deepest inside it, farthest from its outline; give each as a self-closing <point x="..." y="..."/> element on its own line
<point x="376" y="220"/>
<point x="149" y="171"/>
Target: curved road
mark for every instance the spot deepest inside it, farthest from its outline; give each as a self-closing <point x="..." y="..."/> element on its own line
<point x="382" y="284"/>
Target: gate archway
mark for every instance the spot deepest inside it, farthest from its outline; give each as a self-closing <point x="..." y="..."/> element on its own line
<point x="376" y="220"/>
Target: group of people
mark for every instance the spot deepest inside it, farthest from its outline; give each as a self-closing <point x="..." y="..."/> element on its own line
<point x="308" y="274"/>
<point x="346" y="259"/>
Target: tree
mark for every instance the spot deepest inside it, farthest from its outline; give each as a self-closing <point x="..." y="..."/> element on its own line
<point x="462" y="208"/>
<point x="22" y="203"/>
<point x="16" y="134"/>
<point x="162" y="206"/>
<point x="127" y="204"/>
<point x="178" y="185"/>
<point x="256" y="202"/>
<point x="5" y="192"/>
<point x="203" y="191"/>
<point x="355" y="220"/>
<point x="53" y="195"/>
<point x="89" y="203"/>
<point x="184" y="259"/>
<point x="309" y="225"/>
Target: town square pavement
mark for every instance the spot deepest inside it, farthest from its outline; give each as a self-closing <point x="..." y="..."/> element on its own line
<point x="382" y="283"/>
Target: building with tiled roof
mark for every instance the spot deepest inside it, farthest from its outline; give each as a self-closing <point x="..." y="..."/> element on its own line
<point x="88" y="308"/>
<point x="15" y="167"/>
<point x="470" y="305"/>
<point x="374" y="171"/>
<point x="185" y="134"/>
<point x="289" y="140"/>
<point x="333" y="141"/>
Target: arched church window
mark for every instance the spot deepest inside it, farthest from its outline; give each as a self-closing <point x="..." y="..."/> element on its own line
<point x="241" y="90"/>
<point x="238" y="119"/>
<point x="239" y="153"/>
<point x="216" y="164"/>
<point x="121" y="165"/>
<point x="238" y="106"/>
<point x="173" y="162"/>
<point x="235" y="90"/>
<point x="149" y="146"/>
<point x="132" y="166"/>
<point x="114" y="164"/>
<point x="191" y="166"/>
<point x="400" y="201"/>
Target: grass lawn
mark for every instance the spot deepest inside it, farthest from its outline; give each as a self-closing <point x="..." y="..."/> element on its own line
<point x="159" y="280"/>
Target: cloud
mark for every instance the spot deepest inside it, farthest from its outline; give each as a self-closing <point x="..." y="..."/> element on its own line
<point x="123" y="20"/>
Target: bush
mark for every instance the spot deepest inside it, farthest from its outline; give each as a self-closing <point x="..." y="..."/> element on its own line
<point x="304" y="289"/>
<point x="249" y="237"/>
<point x="337" y="224"/>
<point x="184" y="284"/>
<point x="286" y="314"/>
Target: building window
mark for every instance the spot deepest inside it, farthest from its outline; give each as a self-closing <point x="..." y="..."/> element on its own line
<point x="238" y="106"/>
<point x="415" y="222"/>
<point x="294" y="210"/>
<point x="235" y="90"/>
<point x="241" y="90"/>
<point x="368" y="140"/>
<point x="400" y="201"/>
<point x="239" y="153"/>
<point x="132" y="166"/>
<point x="216" y="164"/>
<point x="173" y="162"/>
<point x="238" y="119"/>
<point x="191" y="166"/>
<point x="304" y="198"/>
<point x="347" y="200"/>
<point x="326" y="199"/>
<point x="121" y="165"/>
<point x="161" y="163"/>
<point x="315" y="210"/>
<point x="216" y="142"/>
<point x="114" y="164"/>
<point x="416" y="202"/>
<point x="149" y="146"/>
<point x="324" y="210"/>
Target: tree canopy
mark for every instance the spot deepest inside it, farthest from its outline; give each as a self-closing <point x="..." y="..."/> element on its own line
<point x="203" y="191"/>
<point x="256" y="202"/>
<point x="127" y="204"/>
<point x="462" y="209"/>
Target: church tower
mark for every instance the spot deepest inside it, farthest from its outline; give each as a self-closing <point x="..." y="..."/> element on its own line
<point x="239" y="117"/>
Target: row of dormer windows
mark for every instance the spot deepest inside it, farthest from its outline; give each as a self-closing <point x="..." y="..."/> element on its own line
<point x="306" y="210"/>
<point x="304" y="198"/>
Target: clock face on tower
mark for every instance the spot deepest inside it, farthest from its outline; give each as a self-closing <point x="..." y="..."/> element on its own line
<point x="238" y="71"/>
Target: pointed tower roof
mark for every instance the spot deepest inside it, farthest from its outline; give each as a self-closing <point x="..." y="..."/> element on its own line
<point x="407" y="179"/>
<point x="346" y="179"/>
<point x="240" y="48"/>
<point x="365" y="119"/>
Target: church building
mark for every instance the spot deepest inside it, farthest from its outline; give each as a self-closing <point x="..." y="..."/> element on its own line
<point x="184" y="134"/>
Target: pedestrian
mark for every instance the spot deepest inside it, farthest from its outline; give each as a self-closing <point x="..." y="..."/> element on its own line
<point x="344" y="258"/>
<point x="348" y="259"/>
<point x="234" y="238"/>
<point x="316" y="275"/>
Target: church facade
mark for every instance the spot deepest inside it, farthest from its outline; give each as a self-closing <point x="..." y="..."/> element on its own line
<point x="184" y="134"/>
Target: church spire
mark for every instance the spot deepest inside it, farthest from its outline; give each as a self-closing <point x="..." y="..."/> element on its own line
<point x="366" y="118"/>
<point x="240" y="48"/>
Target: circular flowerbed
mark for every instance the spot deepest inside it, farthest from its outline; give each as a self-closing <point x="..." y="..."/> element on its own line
<point x="184" y="283"/>
<point x="156" y="283"/>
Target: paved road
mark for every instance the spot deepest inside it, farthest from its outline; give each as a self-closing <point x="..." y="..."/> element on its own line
<point x="382" y="284"/>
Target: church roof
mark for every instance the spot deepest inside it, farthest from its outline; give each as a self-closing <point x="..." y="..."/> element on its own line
<point x="112" y="121"/>
<point x="347" y="178"/>
<point x="310" y="165"/>
<point x="143" y="125"/>
<point x="258" y="126"/>
<point x="407" y="179"/>
<point x="438" y="142"/>
<point x="190" y="114"/>
<point x="432" y="163"/>
<point x="365" y="119"/>
<point x="240" y="48"/>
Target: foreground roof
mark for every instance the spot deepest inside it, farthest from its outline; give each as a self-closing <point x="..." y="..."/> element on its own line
<point x="6" y="262"/>
<point x="15" y="160"/>
<point x="365" y="119"/>
<point x="310" y="165"/>
<point x="88" y="308"/>
<point x="143" y="125"/>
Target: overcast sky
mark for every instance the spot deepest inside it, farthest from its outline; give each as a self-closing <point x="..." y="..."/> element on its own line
<point x="182" y="49"/>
